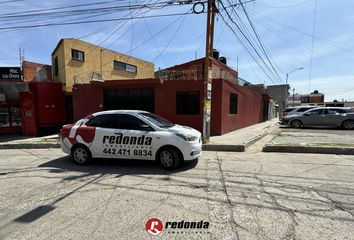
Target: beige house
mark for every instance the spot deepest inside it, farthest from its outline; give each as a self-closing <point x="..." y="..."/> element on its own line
<point x="77" y="61"/>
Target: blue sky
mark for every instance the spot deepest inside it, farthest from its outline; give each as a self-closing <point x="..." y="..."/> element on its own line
<point x="285" y="27"/>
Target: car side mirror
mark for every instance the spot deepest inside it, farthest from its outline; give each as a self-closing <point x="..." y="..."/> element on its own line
<point x="146" y="127"/>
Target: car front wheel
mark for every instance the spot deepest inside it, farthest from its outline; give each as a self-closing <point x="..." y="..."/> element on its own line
<point x="296" y="124"/>
<point x="348" y="124"/>
<point x="81" y="155"/>
<point x="169" y="158"/>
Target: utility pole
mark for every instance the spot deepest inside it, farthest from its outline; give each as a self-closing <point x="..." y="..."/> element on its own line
<point x="101" y="70"/>
<point x="208" y="69"/>
<point x="293" y="97"/>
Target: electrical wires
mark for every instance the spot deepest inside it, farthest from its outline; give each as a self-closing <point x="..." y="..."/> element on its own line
<point x="252" y="43"/>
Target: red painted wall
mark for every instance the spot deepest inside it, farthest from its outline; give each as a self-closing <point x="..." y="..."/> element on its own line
<point x="42" y="106"/>
<point x="249" y="112"/>
<point x="88" y="98"/>
<point x="165" y="102"/>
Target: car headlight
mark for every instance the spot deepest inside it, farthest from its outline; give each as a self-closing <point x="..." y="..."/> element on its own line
<point x="188" y="138"/>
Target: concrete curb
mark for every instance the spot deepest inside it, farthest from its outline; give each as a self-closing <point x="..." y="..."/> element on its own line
<point x="233" y="148"/>
<point x="309" y="149"/>
<point x="224" y="148"/>
<point x="29" y="145"/>
<point x="256" y="139"/>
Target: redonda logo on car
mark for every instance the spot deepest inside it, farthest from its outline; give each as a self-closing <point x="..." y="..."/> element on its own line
<point x="119" y="138"/>
<point x="154" y="226"/>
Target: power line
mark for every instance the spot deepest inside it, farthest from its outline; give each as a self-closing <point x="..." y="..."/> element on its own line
<point x="172" y="37"/>
<point x="250" y="43"/>
<point x="257" y="40"/>
<point x="92" y="21"/>
<point x="266" y="53"/>
<point x="11" y="1"/>
<point x="312" y="42"/>
<point x="306" y="52"/>
<point x="287" y="6"/>
<point x="248" y="51"/>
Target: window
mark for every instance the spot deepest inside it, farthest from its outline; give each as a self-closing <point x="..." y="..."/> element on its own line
<point x="124" y="67"/>
<point x="126" y="121"/>
<point x="303" y="109"/>
<point x="233" y="103"/>
<point x="338" y="110"/>
<point x="56" y="66"/>
<point x="316" y="112"/>
<point x="158" y="121"/>
<point x="188" y="102"/>
<point x="15" y="116"/>
<point x="77" y="55"/>
<point x="103" y="121"/>
<point x="304" y="99"/>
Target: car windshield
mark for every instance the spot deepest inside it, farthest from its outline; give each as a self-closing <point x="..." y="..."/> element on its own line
<point x="158" y="121"/>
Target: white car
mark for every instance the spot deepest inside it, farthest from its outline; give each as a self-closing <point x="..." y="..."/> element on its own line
<point x="130" y="134"/>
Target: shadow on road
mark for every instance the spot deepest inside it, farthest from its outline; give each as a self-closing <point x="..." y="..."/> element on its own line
<point x="114" y="166"/>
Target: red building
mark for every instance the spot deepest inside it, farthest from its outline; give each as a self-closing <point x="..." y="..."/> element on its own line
<point x="30" y="103"/>
<point x="42" y="108"/>
<point x="36" y="72"/>
<point x="179" y="100"/>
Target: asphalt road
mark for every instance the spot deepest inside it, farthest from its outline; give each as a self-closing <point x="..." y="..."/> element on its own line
<point x="251" y="195"/>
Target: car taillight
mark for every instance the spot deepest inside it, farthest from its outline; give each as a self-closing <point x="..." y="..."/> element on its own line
<point x="285" y="114"/>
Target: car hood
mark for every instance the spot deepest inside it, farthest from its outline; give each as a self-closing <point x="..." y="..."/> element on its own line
<point x="184" y="130"/>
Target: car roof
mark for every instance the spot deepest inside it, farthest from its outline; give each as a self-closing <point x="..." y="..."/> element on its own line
<point x="119" y="111"/>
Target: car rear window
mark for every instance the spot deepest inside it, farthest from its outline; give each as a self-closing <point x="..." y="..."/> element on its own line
<point x="288" y="109"/>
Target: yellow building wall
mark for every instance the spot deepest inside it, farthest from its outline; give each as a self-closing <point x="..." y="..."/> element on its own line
<point x="93" y="55"/>
<point x="61" y="77"/>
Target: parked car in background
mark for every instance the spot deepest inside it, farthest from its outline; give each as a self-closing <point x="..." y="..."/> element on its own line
<point x="293" y="111"/>
<point x="322" y="117"/>
<point x="130" y="134"/>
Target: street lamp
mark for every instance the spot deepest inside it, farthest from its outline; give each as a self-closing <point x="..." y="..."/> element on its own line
<point x="287" y="74"/>
<point x="286" y="82"/>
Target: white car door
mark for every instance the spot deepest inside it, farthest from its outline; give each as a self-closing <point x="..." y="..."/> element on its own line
<point x="134" y="138"/>
<point x="102" y="145"/>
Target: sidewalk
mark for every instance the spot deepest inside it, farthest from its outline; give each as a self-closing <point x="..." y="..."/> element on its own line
<point x="327" y="141"/>
<point x="51" y="141"/>
<point x="235" y="141"/>
<point x="239" y="140"/>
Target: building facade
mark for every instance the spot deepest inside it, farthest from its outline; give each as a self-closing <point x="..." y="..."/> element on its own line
<point x="312" y="99"/>
<point x="177" y="94"/>
<point x="280" y="93"/>
<point x="77" y="61"/>
<point x="11" y="84"/>
<point x="36" y="72"/>
<point x="195" y="70"/>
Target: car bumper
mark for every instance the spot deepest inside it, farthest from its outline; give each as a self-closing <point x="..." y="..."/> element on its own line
<point x="284" y="122"/>
<point x="192" y="151"/>
<point x="64" y="146"/>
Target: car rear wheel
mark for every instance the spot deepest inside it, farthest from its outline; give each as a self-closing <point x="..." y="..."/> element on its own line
<point x="348" y="124"/>
<point x="81" y="155"/>
<point x="169" y="158"/>
<point x="296" y="124"/>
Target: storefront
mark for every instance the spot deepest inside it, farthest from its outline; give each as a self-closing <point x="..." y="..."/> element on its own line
<point x="10" y="86"/>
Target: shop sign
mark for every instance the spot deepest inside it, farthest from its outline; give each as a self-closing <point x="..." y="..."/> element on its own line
<point x="10" y="73"/>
